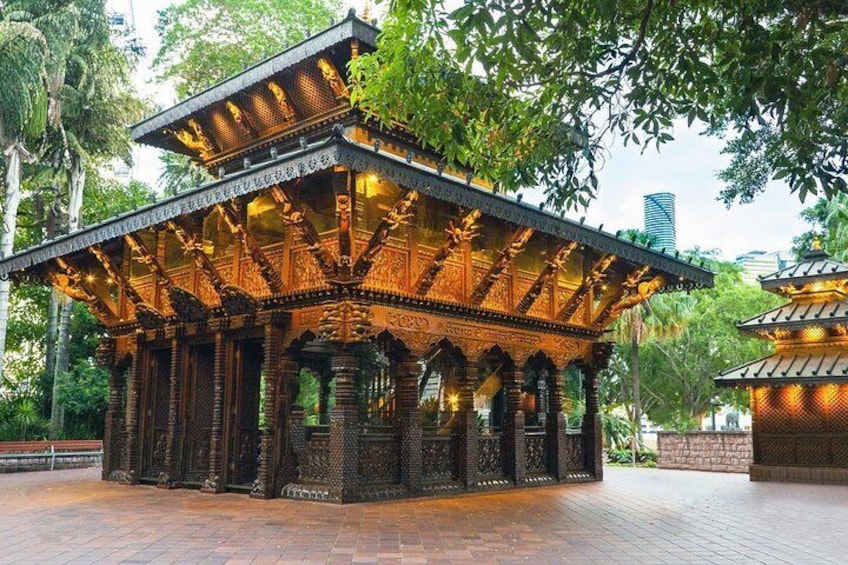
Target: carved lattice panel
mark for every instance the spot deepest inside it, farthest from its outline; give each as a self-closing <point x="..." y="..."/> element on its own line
<point x="810" y="410"/>
<point x="838" y="412"/>
<point x="200" y="400"/>
<point x="155" y="413"/>
<point x="379" y="460"/>
<point x="438" y="455"/>
<point x="449" y="284"/>
<point x="389" y="270"/>
<point x="314" y="466"/>
<point x="839" y="452"/>
<point x="490" y="457"/>
<point x="813" y="452"/>
<point x="779" y="450"/>
<point x="574" y="452"/>
<point x="535" y="453"/>
<point x="775" y="410"/>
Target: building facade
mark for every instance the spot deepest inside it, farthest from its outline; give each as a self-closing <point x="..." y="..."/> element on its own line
<point x="340" y="316"/>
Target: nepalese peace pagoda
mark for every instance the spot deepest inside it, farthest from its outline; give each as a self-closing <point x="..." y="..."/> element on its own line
<point x="339" y="316"/>
<point x="799" y="395"/>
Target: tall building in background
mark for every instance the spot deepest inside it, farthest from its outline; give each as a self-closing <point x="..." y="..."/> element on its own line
<point x="659" y="220"/>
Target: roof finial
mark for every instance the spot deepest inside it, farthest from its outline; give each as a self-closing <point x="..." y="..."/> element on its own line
<point x="817" y="246"/>
<point x="366" y="12"/>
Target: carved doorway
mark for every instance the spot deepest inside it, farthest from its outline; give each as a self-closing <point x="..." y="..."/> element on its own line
<point x="199" y="400"/>
<point x="243" y="409"/>
<point x="154" y="414"/>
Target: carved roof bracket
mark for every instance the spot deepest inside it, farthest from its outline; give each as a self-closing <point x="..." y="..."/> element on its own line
<point x="513" y="248"/>
<point x="627" y="296"/>
<point x="295" y="216"/>
<point x="399" y="215"/>
<point x="187" y="306"/>
<point x="464" y="230"/>
<point x="72" y="283"/>
<point x="234" y="299"/>
<point x="148" y="317"/>
<point x="595" y="276"/>
<point x="270" y="274"/>
<point x="557" y="263"/>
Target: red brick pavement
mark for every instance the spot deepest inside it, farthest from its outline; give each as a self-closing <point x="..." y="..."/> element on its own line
<point x="635" y="516"/>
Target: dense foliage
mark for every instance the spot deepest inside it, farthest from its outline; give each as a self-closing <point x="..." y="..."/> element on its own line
<point x="533" y="92"/>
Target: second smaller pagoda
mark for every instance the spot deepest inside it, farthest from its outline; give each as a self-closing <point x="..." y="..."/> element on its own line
<point x="799" y="395"/>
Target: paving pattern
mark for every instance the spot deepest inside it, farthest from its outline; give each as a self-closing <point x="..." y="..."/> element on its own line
<point x="634" y="516"/>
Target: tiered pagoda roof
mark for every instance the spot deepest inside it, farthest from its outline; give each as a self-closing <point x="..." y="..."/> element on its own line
<point x="809" y="332"/>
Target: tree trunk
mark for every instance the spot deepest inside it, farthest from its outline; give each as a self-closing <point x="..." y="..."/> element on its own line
<point x="76" y="183"/>
<point x="636" y="326"/>
<point x="53" y="305"/>
<point x="13" y="156"/>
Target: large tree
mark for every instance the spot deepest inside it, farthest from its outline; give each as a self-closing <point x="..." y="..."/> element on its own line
<point x="532" y="92"/>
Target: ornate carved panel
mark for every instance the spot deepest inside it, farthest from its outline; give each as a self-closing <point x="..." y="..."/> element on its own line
<point x="314" y="466"/>
<point x="535" y="453"/>
<point x="305" y="271"/>
<point x="449" y="283"/>
<point x="389" y="270"/>
<point x="438" y="455"/>
<point x="490" y="456"/>
<point x="251" y="279"/>
<point x="379" y="459"/>
<point x="500" y="295"/>
<point x="574" y="452"/>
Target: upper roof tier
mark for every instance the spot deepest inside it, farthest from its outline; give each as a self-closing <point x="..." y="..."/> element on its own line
<point x="815" y="267"/>
<point x="294" y="93"/>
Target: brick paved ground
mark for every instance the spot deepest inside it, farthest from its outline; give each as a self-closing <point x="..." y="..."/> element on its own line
<point x="635" y="516"/>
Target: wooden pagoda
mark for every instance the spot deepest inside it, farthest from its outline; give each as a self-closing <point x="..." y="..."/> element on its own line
<point x="799" y="395"/>
<point x="433" y="316"/>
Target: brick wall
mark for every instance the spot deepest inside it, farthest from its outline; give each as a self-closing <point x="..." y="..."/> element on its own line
<point x="729" y="452"/>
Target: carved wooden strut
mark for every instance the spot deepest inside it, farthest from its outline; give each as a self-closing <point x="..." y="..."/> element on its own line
<point x="399" y="215"/>
<point x="72" y="283"/>
<point x="464" y="230"/>
<point x="234" y="299"/>
<point x="595" y="276"/>
<point x="187" y="306"/>
<point x="641" y="292"/>
<point x="295" y="216"/>
<point x="557" y="263"/>
<point x="269" y="272"/>
<point x="513" y="248"/>
<point x="627" y="286"/>
<point x="147" y="315"/>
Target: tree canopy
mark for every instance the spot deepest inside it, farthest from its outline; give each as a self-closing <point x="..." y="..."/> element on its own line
<point x="533" y="92"/>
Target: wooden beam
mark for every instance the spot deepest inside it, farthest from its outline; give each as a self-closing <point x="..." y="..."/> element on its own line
<point x="269" y="272"/>
<point x="146" y="314"/>
<point x="399" y="215"/>
<point x="464" y="230"/>
<point x="595" y="276"/>
<point x="557" y="263"/>
<point x="145" y="257"/>
<point x="74" y="285"/>
<point x="513" y="248"/>
<point x="295" y="216"/>
<point x="627" y="286"/>
<point x="341" y="179"/>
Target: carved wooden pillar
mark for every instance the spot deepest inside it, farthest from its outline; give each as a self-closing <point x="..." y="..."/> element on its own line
<point x="467" y="431"/>
<point x="263" y="486"/>
<point x="130" y="475"/>
<point x="289" y="421"/>
<point x="411" y="470"/>
<point x="344" y="431"/>
<point x="105" y="356"/>
<point x="556" y="426"/>
<point x="214" y="483"/>
<point x="516" y="462"/>
<point x="174" y="437"/>
<point x="592" y="430"/>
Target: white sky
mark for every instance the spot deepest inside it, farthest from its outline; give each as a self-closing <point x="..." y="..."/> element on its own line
<point x="686" y="166"/>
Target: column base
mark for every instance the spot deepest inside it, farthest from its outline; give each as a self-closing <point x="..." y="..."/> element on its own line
<point x="212" y="485"/>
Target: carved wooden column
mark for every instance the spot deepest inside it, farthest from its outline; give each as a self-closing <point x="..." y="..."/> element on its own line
<point x="556" y="426"/>
<point x="592" y="430"/>
<point x="411" y="470"/>
<point x="516" y="462"/>
<point x="290" y="430"/>
<point x="105" y="356"/>
<point x="263" y="486"/>
<point x="130" y="475"/>
<point x="344" y="430"/>
<point x="214" y="483"/>
<point x="169" y="478"/>
<point x="466" y="421"/>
